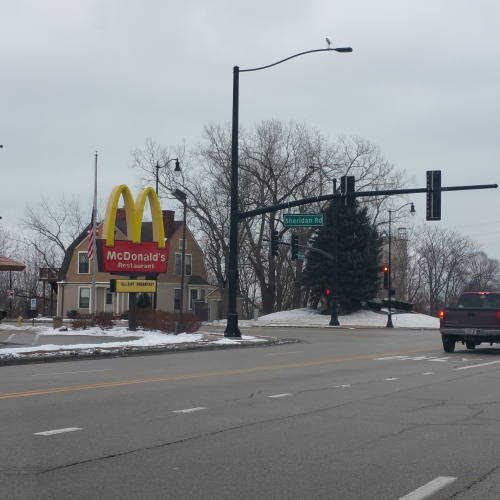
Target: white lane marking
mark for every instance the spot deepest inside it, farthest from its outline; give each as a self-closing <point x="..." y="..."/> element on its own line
<point x="34" y="341"/>
<point x="428" y="373"/>
<point x="64" y="373"/>
<point x="58" y="431"/>
<point x="428" y="489"/>
<point x="475" y="366"/>
<point x="281" y="395"/>
<point x="276" y="353"/>
<point x="189" y="410"/>
<point x="342" y="386"/>
<point x="414" y="358"/>
<point x="392" y="378"/>
<point x="9" y="337"/>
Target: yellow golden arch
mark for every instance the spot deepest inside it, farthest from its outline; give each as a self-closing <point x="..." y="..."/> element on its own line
<point x="134" y="212"/>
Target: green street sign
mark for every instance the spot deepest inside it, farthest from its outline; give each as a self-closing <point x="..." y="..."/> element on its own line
<point x="303" y="220"/>
<point x="301" y="256"/>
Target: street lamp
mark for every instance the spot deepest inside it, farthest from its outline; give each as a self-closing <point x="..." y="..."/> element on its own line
<point x="177" y="170"/>
<point x="389" y="291"/>
<point x="182" y="197"/>
<point x="177" y="173"/>
<point x="232" y="329"/>
<point x="334" y="299"/>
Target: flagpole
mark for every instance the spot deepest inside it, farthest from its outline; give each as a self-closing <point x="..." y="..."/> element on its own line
<point x="94" y="227"/>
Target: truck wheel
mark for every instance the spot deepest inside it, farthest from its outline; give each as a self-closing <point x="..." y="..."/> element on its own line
<point x="470" y="345"/>
<point x="448" y="345"/>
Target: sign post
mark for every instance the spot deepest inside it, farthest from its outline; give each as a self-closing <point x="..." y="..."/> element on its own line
<point x="33" y="308"/>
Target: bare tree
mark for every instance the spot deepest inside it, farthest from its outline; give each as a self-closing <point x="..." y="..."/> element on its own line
<point x="275" y="167"/>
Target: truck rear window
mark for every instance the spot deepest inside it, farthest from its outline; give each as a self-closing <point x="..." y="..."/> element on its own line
<point x="486" y="301"/>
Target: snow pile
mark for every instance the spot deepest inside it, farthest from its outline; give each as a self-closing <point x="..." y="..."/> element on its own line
<point x="364" y="318"/>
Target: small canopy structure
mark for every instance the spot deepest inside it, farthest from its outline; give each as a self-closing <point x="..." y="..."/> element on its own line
<point x="7" y="264"/>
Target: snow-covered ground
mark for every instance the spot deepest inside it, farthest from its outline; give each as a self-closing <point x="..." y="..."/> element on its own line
<point x="145" y="339"/>
<point x="363" y="318"/>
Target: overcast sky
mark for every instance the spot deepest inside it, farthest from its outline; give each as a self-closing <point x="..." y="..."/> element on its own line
<point x="423" y="82"/>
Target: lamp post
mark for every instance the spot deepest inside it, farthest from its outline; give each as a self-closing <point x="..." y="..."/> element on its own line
<point x="177" y="170"/>
<point x="177" y="173"/>
<point x="182" y="197"/>
<point x="232" y="329"/>
<point x="389" y="291"/>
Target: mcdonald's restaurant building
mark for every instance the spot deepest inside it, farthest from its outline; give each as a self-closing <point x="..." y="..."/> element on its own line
<point x="75" y="279"/>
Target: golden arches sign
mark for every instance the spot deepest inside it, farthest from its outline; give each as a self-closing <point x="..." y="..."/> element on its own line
<point x="134" y="212"/>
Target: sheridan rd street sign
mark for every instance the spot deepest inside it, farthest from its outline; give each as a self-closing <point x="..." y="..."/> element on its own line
<point x="303" y="220"/>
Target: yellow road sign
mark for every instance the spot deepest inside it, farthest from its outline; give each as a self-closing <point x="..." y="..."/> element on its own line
<point x="133" y="286"/>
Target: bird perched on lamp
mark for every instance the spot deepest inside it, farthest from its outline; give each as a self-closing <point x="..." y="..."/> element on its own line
<point x="328" y="43"/>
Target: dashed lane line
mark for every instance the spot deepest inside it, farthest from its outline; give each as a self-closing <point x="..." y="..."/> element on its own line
<point x="280" y="395"/>
<point x="189" y="410"/>
<point x="429" y="489"/>
<point x="64" y="373"/>
<point x="58" y="431"/>
<point x="102" y="385"/>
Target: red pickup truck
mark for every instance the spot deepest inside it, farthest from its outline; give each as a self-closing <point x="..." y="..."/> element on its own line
<point x="474" y="320"/>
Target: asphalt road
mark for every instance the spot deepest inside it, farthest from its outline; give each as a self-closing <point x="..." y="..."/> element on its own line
<point x="343" y="414"/>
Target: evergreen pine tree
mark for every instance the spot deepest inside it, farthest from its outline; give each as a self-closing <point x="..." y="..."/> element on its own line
<point x="144" y="301"/>
<point x="358" y="251"/>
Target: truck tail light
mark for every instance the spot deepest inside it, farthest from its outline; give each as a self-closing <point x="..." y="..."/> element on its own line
<point x="441" y="316"/>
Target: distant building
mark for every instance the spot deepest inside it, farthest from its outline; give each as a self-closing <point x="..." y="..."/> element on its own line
<point x="75" y="279"/>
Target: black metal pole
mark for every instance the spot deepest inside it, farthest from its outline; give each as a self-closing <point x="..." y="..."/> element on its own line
<point x="155" y="295"/>
<point x="334" y="320"/>
<point x="132" y="307"/>
<point x="232" y="329"/>
<point x="10" y="300"/>
<point x="179" y="327"/>
<point x="389" y="317"/>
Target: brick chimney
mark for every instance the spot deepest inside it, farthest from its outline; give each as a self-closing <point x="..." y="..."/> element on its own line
<point x="168" y="221"/>
<point x="120" y="213"/>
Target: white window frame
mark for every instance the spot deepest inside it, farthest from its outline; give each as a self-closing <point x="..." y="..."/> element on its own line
<point x="78" y="263"/>
<point x="188" y="255"/>
<point x="80" y="288"/>
<point x="180" y="244"/>
<point x="191" y="290"/>
<point x="179" y="299"/>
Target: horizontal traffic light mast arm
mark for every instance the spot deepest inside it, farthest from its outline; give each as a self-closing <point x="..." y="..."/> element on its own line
<point x="358" y="194"/>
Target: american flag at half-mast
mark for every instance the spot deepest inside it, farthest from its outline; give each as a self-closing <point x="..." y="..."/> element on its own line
<point x="90" y="248"/>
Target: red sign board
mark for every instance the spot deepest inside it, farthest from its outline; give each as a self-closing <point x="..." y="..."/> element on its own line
<point x="126" y="257"/>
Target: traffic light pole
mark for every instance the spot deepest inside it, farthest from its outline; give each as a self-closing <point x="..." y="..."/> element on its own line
<point x="389" y="316"/>
<point x="334" y="319"/>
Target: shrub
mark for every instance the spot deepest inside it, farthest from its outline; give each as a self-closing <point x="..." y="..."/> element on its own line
<point x="72" y="313"/>
<point x="144" y="301"/>
<point x="165" y="321"/>
<point x="104" y="320"/>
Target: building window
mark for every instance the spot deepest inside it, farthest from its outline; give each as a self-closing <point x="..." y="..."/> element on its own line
<point x="109" y="298"/>
<point x="83" y="263"/>
<point x="193" y="295"/>
<point x="178" y="267"/>
<point x="202" y="294"/>
<point x="83" y="297"/>
<point x="177" y="299"/>
<point x="180" y="244"/>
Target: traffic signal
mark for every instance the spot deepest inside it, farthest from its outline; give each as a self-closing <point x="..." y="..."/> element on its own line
<point x="273" y="249"/>
<point x="347" y="184"/>
<point x="433" y="207"/>
<point x="295" y="246"/>
<point x="385" y="270"/>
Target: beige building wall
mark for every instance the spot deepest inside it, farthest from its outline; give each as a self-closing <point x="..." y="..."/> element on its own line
<point x="68" y="298"/>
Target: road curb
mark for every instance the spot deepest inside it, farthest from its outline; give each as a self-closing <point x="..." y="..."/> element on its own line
<point x="113" y="352"/>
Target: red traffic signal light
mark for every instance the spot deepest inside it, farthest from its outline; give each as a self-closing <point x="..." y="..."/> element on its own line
<point x="327" y="291"/>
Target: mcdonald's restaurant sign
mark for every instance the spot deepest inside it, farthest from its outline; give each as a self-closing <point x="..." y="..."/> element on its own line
<point x="132" y="256"/>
